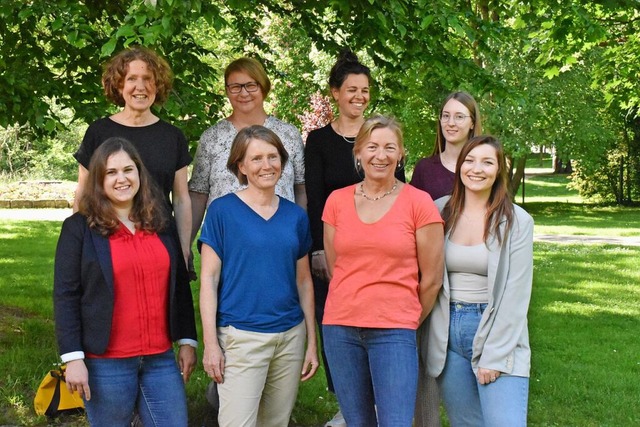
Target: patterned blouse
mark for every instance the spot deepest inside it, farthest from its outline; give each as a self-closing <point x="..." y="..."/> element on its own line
<point x="211" y="176"/>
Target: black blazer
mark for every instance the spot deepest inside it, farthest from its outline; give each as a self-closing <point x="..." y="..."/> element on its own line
<point x="83" y="289"/>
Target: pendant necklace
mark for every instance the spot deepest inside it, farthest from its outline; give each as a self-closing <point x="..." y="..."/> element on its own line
<point x="373" y="199"/>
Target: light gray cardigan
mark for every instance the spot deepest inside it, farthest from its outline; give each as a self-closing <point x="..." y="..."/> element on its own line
<point x="502" y="340"/>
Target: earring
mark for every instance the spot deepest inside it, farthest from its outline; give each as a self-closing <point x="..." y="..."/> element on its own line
<point x="358" y="165"/>
<point x="400" y="165"/>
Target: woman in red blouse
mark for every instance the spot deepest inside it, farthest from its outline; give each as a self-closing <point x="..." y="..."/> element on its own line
<point x="121" y="296"/>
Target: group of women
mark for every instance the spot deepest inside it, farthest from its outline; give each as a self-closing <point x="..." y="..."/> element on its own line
<point x="414" y="298"/>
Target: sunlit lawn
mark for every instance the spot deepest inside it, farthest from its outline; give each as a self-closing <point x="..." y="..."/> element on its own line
<point x="559" y="210"/>
<point x="547" y="188"/>
<point x="584" y="320"/>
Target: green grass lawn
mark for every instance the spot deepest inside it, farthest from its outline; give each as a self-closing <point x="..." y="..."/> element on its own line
<point x="27" y="343"/>
<point x="559" y="210"/>
<point x="547" y="188"/>
<point x="584" y="319"/>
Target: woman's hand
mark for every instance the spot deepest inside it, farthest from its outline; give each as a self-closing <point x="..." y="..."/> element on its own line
<point x="310" y="365"/>
<point x="187" y="361"/>
<point x="77" y="378"/>
<point x="213" y="362"/>
<point x="487" y="376"/>
<point x="319" y="266"/>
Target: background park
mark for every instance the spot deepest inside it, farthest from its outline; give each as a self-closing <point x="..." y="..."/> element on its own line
<point x="556" y="77"/>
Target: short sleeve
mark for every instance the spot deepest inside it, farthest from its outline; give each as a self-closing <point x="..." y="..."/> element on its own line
<point x="304" y="235"/>
<point x="199" y="181"/>
<point x="90" y="142"/>
<point x="183" y="156"/>
<point x="329" y="213"/>
<point x="297" y="158"/>
<point x="425" y="210"/>
<point x="212" y="233"/>
<point x="418" y="174"/>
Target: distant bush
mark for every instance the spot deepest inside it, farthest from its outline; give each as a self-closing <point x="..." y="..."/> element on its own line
<point x="22" y="156"/>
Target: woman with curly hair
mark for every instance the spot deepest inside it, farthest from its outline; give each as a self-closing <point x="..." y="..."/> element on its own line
<point x="136" y="79"/>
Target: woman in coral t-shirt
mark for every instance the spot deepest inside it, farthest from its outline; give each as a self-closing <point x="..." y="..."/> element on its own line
<point x="383" y="242"/>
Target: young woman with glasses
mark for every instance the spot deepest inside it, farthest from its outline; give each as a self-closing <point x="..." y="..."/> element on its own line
<point x="459" y="120"/>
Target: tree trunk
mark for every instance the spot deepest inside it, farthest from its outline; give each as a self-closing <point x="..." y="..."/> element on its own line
<point x="516" y="178"/>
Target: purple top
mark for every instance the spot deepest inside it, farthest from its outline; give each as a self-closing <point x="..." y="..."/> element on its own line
<point x="431" y="176"/>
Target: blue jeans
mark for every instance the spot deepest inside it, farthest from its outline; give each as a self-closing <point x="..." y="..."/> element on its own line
<point x="468" y="403"/>
<point x="373" y="369"/>
<point x="152" y="384"/>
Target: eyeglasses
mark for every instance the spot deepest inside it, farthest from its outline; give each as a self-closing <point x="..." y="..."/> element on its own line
<point x="457" y="118"/>
<point x="236" y="88"/>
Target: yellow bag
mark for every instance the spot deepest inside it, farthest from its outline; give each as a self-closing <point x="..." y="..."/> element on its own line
<point x="53" y="397"/>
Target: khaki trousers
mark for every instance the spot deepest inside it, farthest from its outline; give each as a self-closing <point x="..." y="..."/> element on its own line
<point x="261" y="376"/>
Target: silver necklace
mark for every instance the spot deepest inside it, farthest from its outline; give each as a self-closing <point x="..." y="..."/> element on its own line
<point x="373" y="199"/>
<point x="350" y="141"/>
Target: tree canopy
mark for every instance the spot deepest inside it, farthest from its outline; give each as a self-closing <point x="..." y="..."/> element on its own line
<point x="561" y="74"/>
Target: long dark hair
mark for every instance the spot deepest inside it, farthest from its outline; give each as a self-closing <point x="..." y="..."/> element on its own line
<point x="499" y="205"/>
<point x="148" y="211"/>
<point x="468" y="101"/>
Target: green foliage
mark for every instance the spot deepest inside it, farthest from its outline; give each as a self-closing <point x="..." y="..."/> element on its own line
<point x="57" y="48"/>
<point x="14" y="146"/>
<point x="22" y="156"/>
<point x="528" y="63"/>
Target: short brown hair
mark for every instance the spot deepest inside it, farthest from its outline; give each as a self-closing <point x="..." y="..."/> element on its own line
<point x="378" y="122"/>
<point x="241" y="142"/>
<point x="116" y="69"/>
<point x="253" y="68"/>
<point x="148" y="211"/>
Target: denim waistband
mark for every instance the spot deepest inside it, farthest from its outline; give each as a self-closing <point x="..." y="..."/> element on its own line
<point x="467" y="306"/>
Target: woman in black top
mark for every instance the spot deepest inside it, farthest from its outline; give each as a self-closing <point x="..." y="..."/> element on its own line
<point x="329" y="165"/>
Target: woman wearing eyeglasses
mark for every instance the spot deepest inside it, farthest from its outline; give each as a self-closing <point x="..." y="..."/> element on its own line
<point x="247" y="85"/>
<point x="459" y="121"/>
